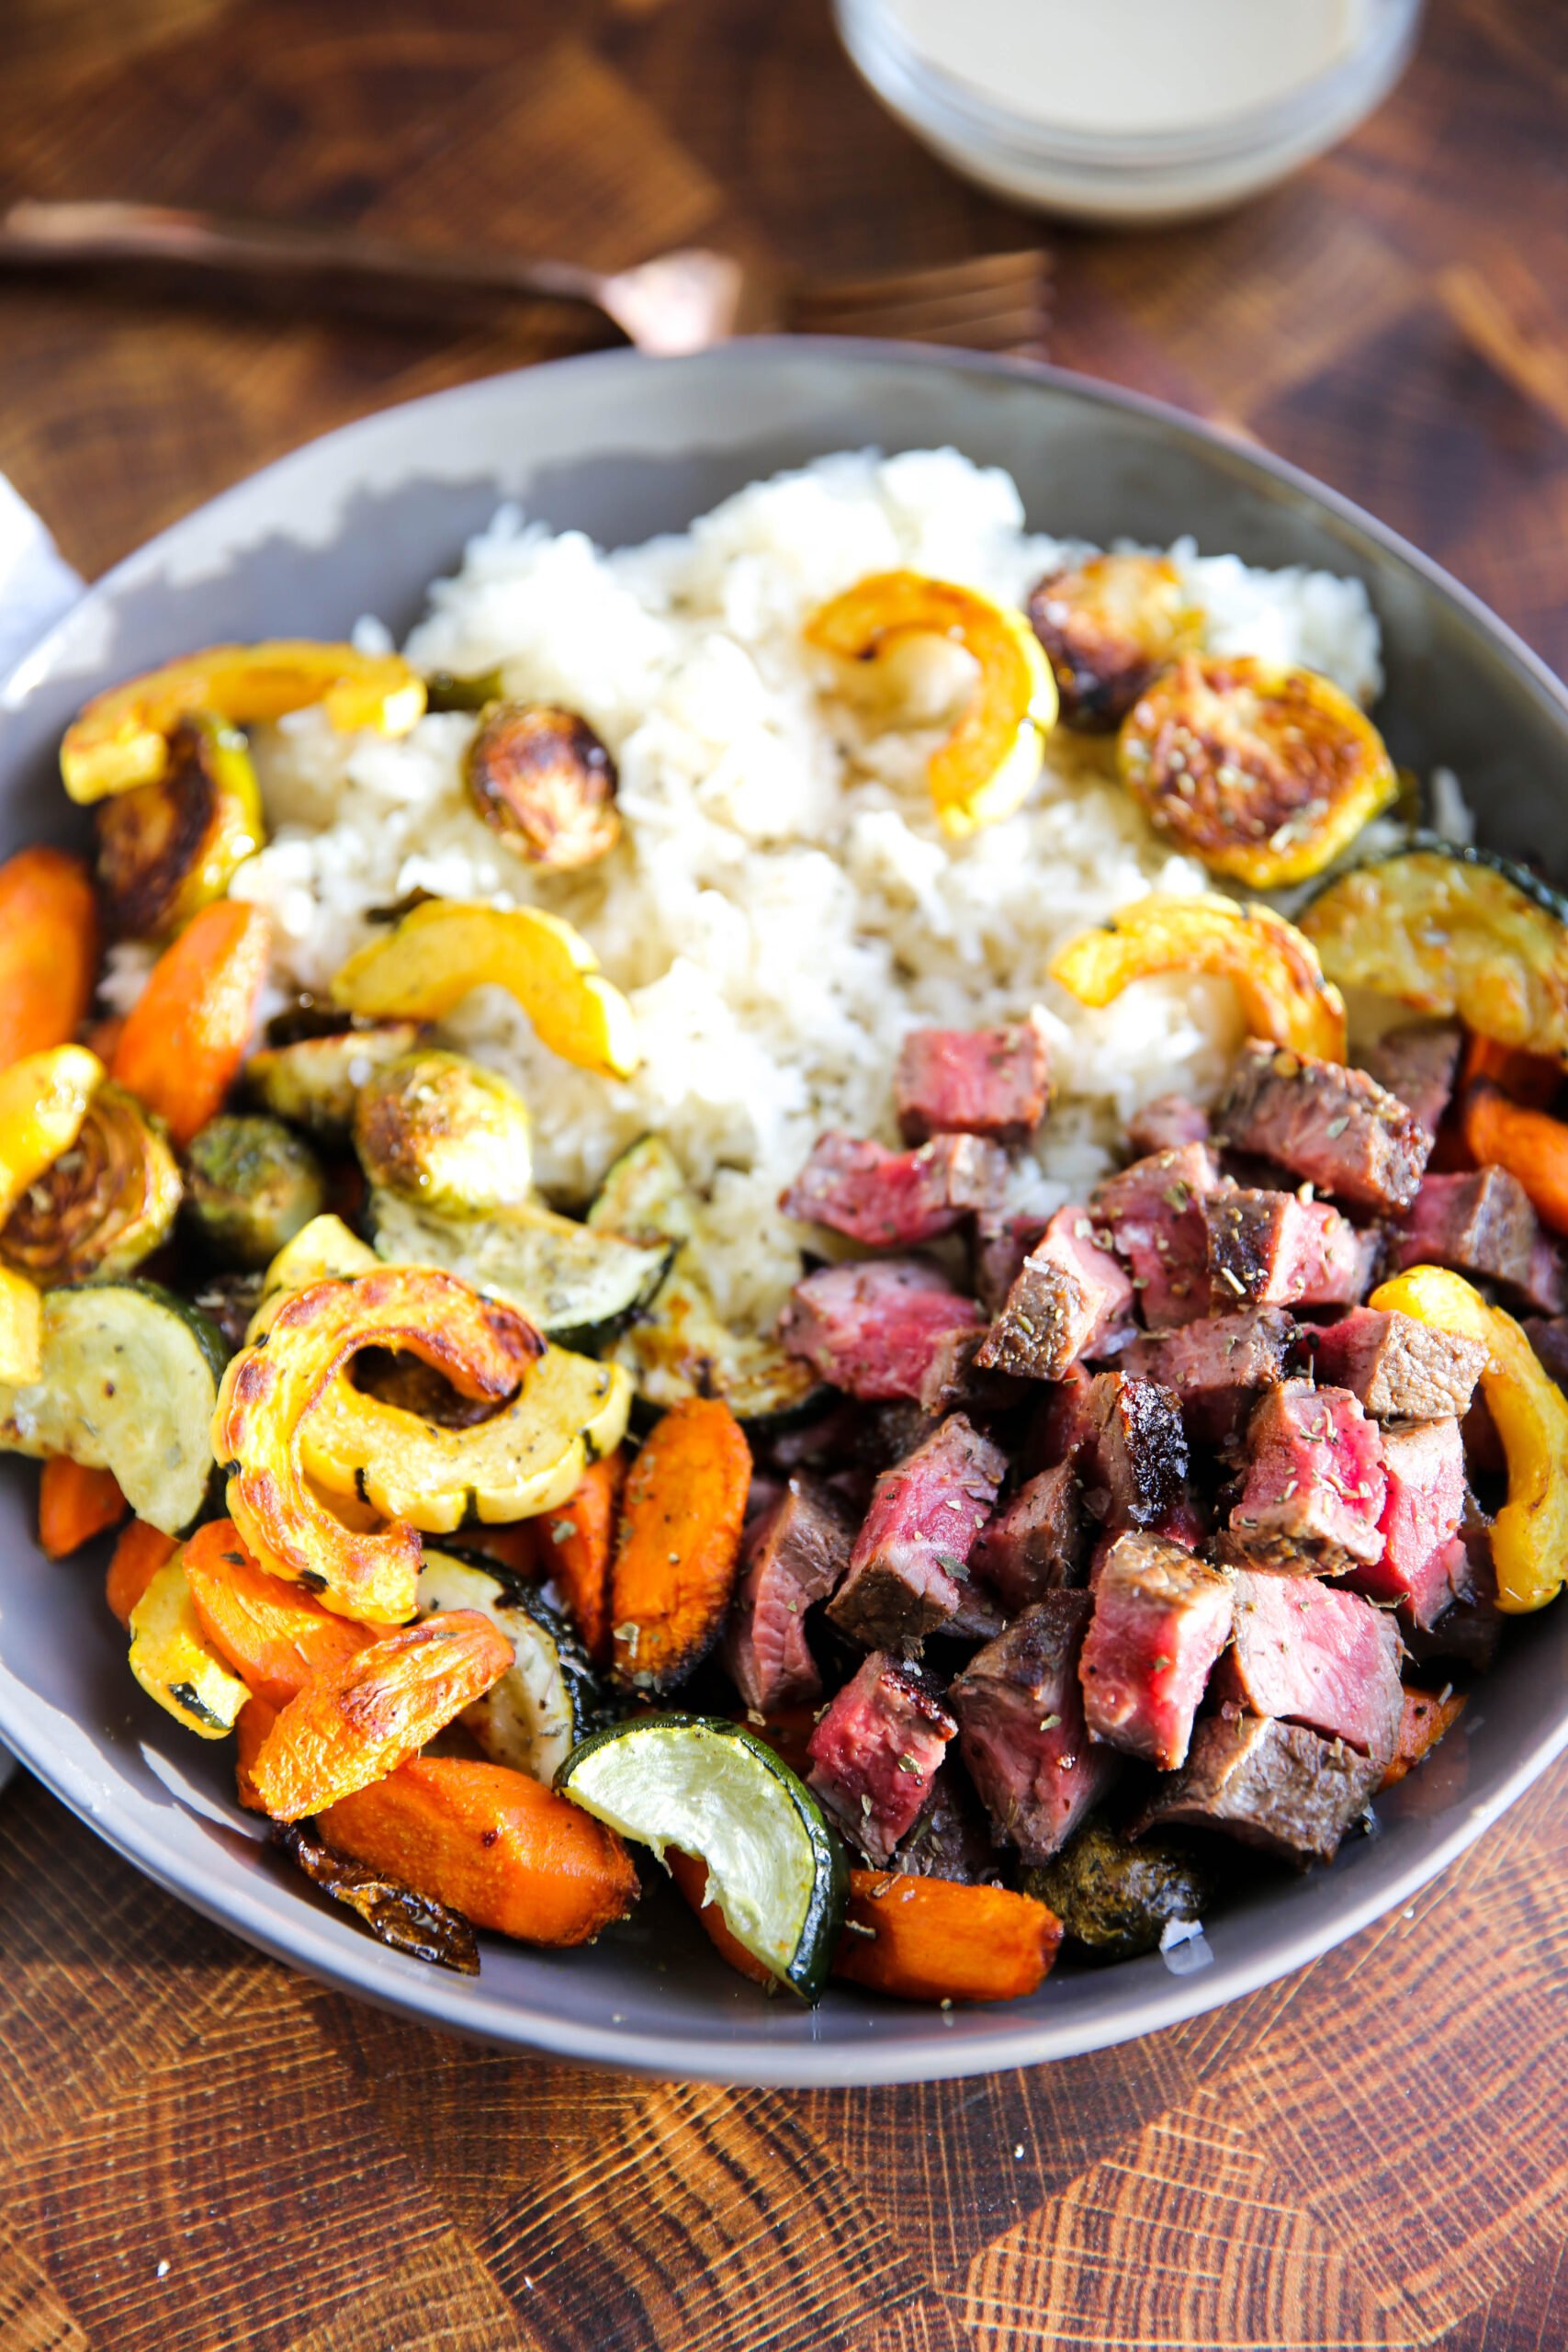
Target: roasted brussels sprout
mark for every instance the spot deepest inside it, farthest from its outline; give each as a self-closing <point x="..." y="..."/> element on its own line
<point x="166" y="849"/>
<point x="102" y="1206"/>
<point x="541" y="778"/>
<point x="439" y="1129"/>
<point x="314" y="1082"/>
<point x="1115" y="1898"/>
<point x="1109" y="627"/>
<point x="251" y="1184"/>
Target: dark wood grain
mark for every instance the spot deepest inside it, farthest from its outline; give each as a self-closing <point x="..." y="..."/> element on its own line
<point x="199" y="2149"/>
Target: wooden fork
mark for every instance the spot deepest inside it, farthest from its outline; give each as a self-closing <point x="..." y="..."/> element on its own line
<point x="677" y="302"/>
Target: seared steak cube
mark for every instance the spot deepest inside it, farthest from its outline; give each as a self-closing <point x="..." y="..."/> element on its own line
<point x="1002" y="1245"/>
<point x="1161" y="1619"/>
<point x="1322" y="1657"/>
<point x="874" y="1327"/>
<point x="993" y="1082"/>
<point x="1070" y="1299"/>
<point x="1039" y="1543"/>
<point x="1218" y="1367"/>
<point x="1166" y="1123"/>
<point x="1482" y="1223"/>
<point x="1418" y="1063"/>
<point x="1126" y="1437"/>
<point x="1332" y="1124"/>
<point x="954" y="1382"/>
<point x="1276" y="1249"/>
<point x="797" y="1549"/>
<point x="896" y="1199"/>
<point x="952" y="1840"/>
<point x="1268" y="1783"/>
<point x="909" y="1562"/>
<point x="876" y="1751"/>
<point x="1153" y="1213"/>
<point x="1424" y="1466"/>
<point x="1021" y="1731"/>
<point x="1452" y="1611"/>
<point x="1401" y="1369"/>
<point x="1315" y="1491"/>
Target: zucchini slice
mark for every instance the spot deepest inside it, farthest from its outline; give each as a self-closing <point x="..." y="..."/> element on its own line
<point x="546" y="1703"/>
<point x="572" y="1282"/>
<point x="128" y="1382"/>
<point x="174" y="1662"/>
<point x="1452" y="929"/>
<point x="775" y="1868"/>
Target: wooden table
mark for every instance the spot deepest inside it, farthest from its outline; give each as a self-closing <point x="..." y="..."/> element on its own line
<point x="197" y="2149"/>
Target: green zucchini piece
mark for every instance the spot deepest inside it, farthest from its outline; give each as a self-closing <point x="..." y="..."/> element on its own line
<point x="1448" y="930"/>
<point x="546" y="1704"/>
<point x="775" y="1868"/>
<point x="129" y="1383"/>
<point x="570" y="1281"/>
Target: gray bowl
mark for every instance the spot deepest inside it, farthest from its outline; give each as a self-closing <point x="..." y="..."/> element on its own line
<point x="622" y="447"/>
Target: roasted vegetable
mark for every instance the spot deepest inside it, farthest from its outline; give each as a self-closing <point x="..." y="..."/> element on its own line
<point x="102" y="1205"/>
<point x="542" y="779"/>
<point x="1116" y="1898"/>
<point x="1529" y="1534"/>
<point x="43" y="1102"/>
<point x="774" y="1868"/>
<point x="678" y="1543"/>
<point x="395" y="1915"/>
<point x="1530" y="1145"/>
<point x="172" y="1662"/>
<point x="443" y="690"/>
<point x="442" y="1130"/>
<point x="986" y="768"/>
<point x="21" y="1330"/>
<point x="314" y="1082"/>
<point x="1265" y="773"/>
<point x="439" y="950"/>
<point x="73" y="1505"/>
<point x="274" y="1636"/>
<point x="1109" y="626"/>
<point x="578" y="1539"/>
<point x="1428" y="1716"/>
<point x="250" y="1185"/>
<point x="576" y="1282"/>
<point x="1449" y="930"/>
<point x="507" y="1852"/>
<point x="483" y="1347"/>
<point x="48" y="951"/>
<point x="548" y="1700"/>
<point x="690" y="1873"/>
<point x="127" y="1382"/>
<point x="183" y="1042"/>
<point x="167" y="849"/>
<point x="935" y="1939"/>
<point x="325" y="1250"/>
<point x="1285" y="996"/>
<point x="122" y="738"/>
<point x="138" y="1556"/>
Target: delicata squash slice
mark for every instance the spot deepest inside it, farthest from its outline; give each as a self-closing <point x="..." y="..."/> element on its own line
<point x="1285" y="996"/>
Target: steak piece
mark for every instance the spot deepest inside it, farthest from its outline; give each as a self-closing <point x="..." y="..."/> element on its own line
<point x="1452" y="1613"/>
<point x="1268" y="1783"/>
<point x="874" y="1327"/>
<point x="1218" y="1367"/>
<point x="1126" y="1438"/>
<point x="876" y="1752"/>
<point x="1547" y="1335"/>
<point x="1001" y="1244"/>
<point x="1161" y="1619"/>
<point x="909" y="1560"/>
<point x="1483" y="1222"/>
<point x="1314" y="1491"/>
<point x="796" y="1551"/>
<point x="1021" y="1731"/>
<point x="952" y="1840"/>
<point x="954" y="1382"/>
<point x="1334" y="1126"/>
<point x="1401" y="1369"/>
<point x="1424" y="1466"/>
<point x="1166" y="1123"/>
<point x="1419" y="1064"/>
<point x="1071" y="1298"/>
<point x="992" y="1082"/>
<point x="896" y="1199"/>
<point x="1038" y="1544"/>
<point x="1153" y="1213"/>
<point x="1276" y="1249"/>
<point x="1321" y="1657"/>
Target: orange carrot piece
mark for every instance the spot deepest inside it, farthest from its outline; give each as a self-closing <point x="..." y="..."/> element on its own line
<point x="48" y="951"/>
<point x="501" y="1847"/>
<point x="1427" y="1716"/>
<point x="182" y="1046"/>
<point x="675" y="1557"/>
<point x="574" y="1546"/>
<point x="690" y="1873"/>
<point x="1534" y="1080"/>
<point x="272" y="1633"/>
<point x="73" y="1505"/>
<point x="358" y="1721"/>
<point x="138" y="1557"/>
<point x="933" y="1940"/>
<point x="513" y="1543"/>
<point x="1530" y="1145"/>
<point x="252" y="1726"/>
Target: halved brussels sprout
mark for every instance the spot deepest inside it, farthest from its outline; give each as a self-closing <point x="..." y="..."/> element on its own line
<point x="314" y="1082"/>
<point x="542" y="779"/>
<point x="252" y="1184"/>
<point x="1275" y="971"/>
<point x="106" y="1204"/>
<point x="1116" y="1898"/>
<point x="437" y="1128"/>
<point x="1109" y="627"/>
<point x="1266" y="774"/>
<point x="166" y="849"/>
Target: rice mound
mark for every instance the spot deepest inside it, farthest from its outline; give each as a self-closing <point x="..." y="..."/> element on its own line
<point x="780" y="908"/>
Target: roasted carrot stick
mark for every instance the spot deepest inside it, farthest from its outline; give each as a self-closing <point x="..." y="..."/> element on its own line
<point x="1530" y="1145"/>
<point x="502" y="1848"/>
<point x="575" y="1543"/>
<point x="680" y="1539"/>
<point x="138" y="1557"/>
<point x="182" y="1046"/>
<point x="273" y="1634"/>
<point x="48" y="951"/>
<point x="1535" y="1079"/>
<point x="252" y="1726"/>
<point x="73" y="1505"/>
<point x="690" y="1873"/>
<point x="933" y="1939"/>
<point x="1427" y="1716"/>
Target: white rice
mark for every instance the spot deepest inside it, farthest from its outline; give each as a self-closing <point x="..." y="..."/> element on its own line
<point x="782" y="908"/>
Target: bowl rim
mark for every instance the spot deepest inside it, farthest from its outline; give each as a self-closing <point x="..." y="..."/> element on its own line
<point x="298" y="1933"/>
